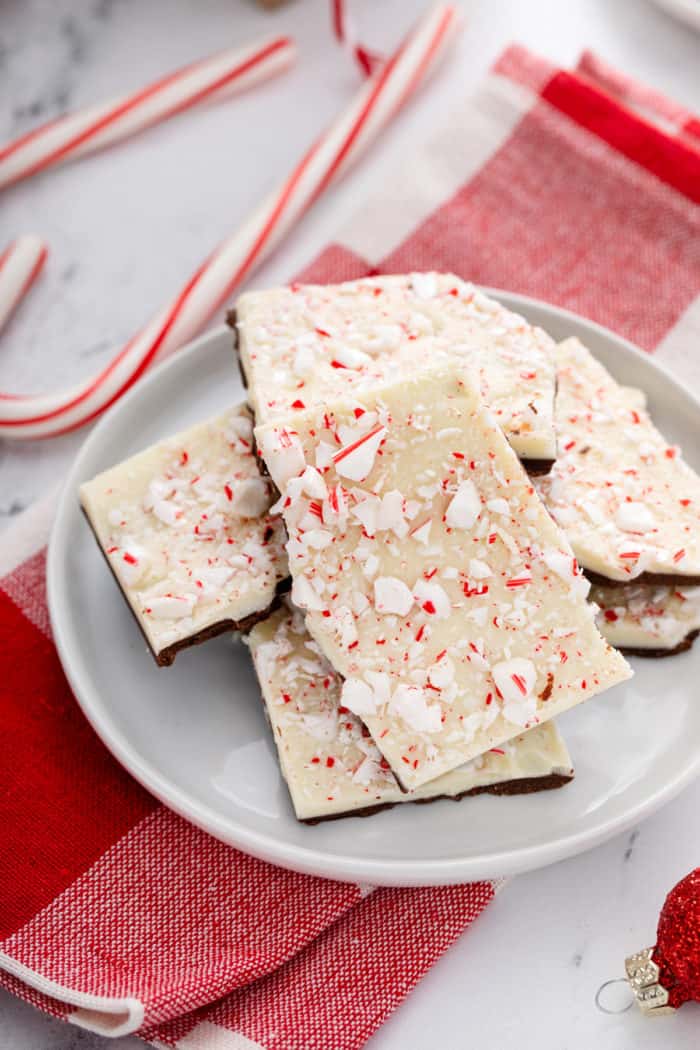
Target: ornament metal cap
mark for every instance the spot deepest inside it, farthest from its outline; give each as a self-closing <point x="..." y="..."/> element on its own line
<point x="643" y="976"/>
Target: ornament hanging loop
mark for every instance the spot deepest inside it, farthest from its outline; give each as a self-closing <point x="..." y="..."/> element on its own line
<point x="599" y="997"/>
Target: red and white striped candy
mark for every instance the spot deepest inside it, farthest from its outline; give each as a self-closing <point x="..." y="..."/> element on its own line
<point x="20" y="265"/>
<point x="343" y="27"/>
<point x="212" y="284"/>
<point x="77" y="134"/>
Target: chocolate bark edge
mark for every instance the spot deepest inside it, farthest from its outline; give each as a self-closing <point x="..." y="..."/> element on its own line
<point x="231" y="321"/>
<point x="262" y="465"/>
<point x="659" y="654"/>
<point x="658" y="579"/>
<point x="518" y="786"/>
<point x="165" y="657"/>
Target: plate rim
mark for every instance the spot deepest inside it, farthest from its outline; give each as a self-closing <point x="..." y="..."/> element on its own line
<point x="682" y="10"/>
<point x="444" y="871"/>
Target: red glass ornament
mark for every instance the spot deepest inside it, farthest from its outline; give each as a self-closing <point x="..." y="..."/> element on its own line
<point x="677" y="949"/>
<point x="668" y="975"/>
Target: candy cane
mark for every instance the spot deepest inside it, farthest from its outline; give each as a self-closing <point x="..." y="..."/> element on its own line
<point x="212" y="284"/>
<point x="20" y="265"/>
<point x="343" y="27"/>
<point x="78" y="134"/>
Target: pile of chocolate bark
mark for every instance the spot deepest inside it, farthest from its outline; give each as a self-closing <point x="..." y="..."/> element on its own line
<point x="437" y="530"/>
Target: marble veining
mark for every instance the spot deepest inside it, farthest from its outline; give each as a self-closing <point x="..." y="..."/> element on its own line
<point x="630" y="844"/>
<point x="11" y="509"/>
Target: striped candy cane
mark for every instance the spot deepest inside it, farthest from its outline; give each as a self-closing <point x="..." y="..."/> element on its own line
<point x="344" y="30"/>
<point x="20" y="265"/>
<point x="79" y="134"/>
<point x="212" y="284"/>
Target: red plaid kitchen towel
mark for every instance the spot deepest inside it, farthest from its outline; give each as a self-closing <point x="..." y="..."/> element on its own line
<point x="581" y="188"/>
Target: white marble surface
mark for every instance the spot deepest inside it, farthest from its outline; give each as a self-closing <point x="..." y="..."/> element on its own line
<point x="126" y="227"/>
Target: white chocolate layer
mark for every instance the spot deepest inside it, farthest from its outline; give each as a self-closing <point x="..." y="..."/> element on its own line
<point x="432" y="577"/>
<point x="625" y="498"/>
<point x="330" y="763"/>
<point x="186" y="529"/>
<point x="644" y="616"/>
<point x="309" y="344"/>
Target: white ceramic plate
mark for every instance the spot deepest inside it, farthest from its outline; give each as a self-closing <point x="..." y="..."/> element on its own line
<point x="195" y="735"/>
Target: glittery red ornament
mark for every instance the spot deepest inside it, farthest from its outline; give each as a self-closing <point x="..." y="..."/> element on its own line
<point x="677" y="951"/>
<point x="668" y="975"/>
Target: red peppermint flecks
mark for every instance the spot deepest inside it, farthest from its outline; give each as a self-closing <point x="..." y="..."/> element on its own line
<point x="520" y="683"/>
<point x="347" y="449"/>
<point x="471" y="592"/>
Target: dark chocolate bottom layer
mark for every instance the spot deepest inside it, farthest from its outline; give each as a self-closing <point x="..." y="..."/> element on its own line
<point x="165" y="657"/>
<point x="537" y="468"/>
<point x="654" y="579"/>
<point x="659" y="654"/>
<point x="520" y="786"/>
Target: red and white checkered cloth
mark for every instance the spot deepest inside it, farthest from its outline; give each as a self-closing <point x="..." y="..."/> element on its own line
<point x="581" y="188"/>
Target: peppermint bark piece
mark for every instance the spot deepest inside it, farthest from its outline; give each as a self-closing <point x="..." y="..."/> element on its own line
<point x="648" y="620"/>
<point x="307" y="344"/>
<point x="186" y="530"/>
<point x="432" y="577"/>
<point x="628" y="502"/>
<point x="328" y="759"/>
